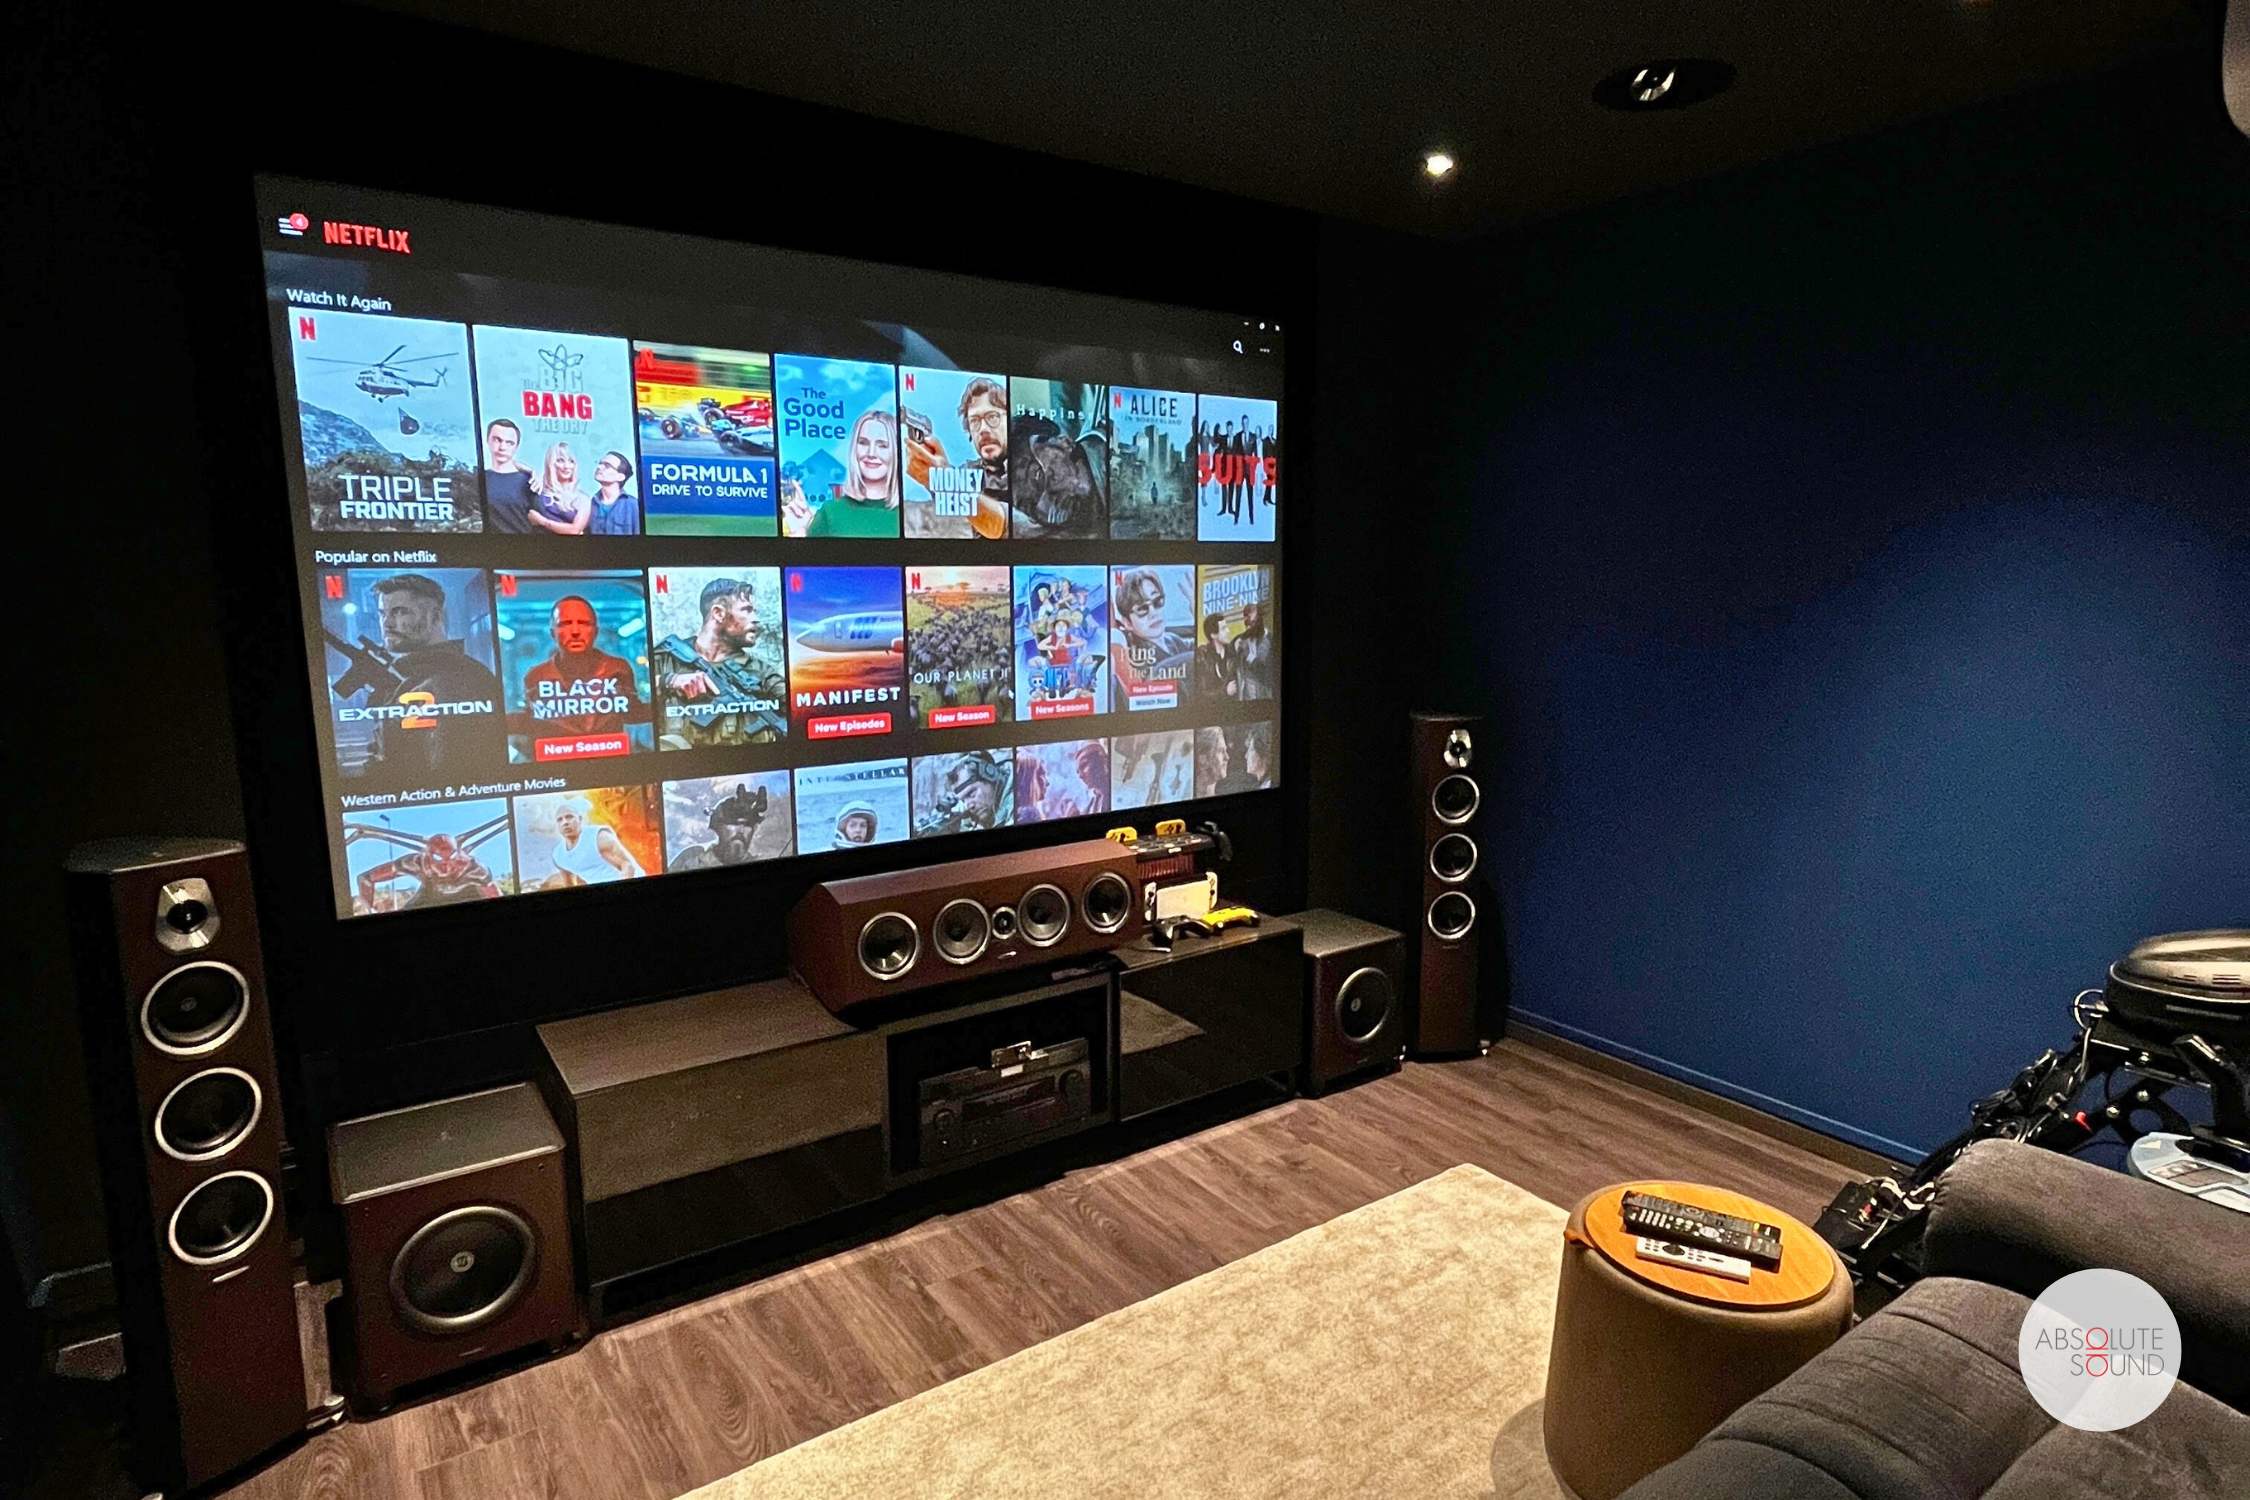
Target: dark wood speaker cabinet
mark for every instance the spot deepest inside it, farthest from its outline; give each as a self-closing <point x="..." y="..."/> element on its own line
<point x="179" y="1046"/>
<point x="1211" y="1014"/>
<point x="873" y="938"/>
<point x="1450" y="762"/>
<point x="457" y="1239"/>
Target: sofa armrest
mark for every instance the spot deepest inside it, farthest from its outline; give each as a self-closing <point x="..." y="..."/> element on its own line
<point x="2021" y="1218"/>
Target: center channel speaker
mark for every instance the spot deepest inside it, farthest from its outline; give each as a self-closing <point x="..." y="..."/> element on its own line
<point x="1448" y="799"/>
<point x="456" y="1237"/>
<point x="871" y="937"/>
<point x="180" y="1059"/>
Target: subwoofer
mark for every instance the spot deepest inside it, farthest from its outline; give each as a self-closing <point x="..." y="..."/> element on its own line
<point x="1355" y="993"/>
<point x="457" y="1241"/>
<point x="180" y="1058"/>
<point x="1448" y="796"/>
<point x="854" y="942"/>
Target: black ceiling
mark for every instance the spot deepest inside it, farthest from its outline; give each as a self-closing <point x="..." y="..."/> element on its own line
<point x="1329" y="106"/>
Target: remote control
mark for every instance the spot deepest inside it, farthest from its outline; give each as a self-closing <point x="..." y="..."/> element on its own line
<point x="1664" y="1218"/>
<point x="1692" y="1258"/>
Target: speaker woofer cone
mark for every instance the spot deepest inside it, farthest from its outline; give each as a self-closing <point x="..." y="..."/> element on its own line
<point x="1453" y="857"/>
<point x="961" y="931"/>
<point x="1451" y="915"/>
<point x="221" y="1219"/>
<point x="1363" y="1004"/>
<point x="196" y="1008"/>
<point x="208" y="1115"/>
<point x="1455" y="799"/>
<point x="463" y="1269"/>
<point x="1107" y="901"/>
<point x="1043" y="912"/>
<point x="889" y="944"/>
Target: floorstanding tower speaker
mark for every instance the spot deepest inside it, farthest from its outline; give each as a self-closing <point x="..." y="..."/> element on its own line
<point x="1448" y="798"/>
<point x="180" y="1058"/>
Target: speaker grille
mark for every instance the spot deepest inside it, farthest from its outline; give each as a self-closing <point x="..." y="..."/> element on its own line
<point x="889" y="944"/>
<point x="1044" y="914"/>
<point x="209" y="1114"/>
<point x="1452" y="915"/>
<point x="464" y="1268"/>
<point x="1363" y="1003"/>
<point x="961" y="931"/>
<point x="195" y="1009"/>
<point x="221" y="1219"/>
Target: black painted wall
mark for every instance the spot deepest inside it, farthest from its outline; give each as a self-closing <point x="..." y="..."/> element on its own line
<point x="131" y="224"/>
<point x="1856" y="553"/>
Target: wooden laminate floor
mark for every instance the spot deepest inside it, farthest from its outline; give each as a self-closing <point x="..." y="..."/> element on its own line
<point x="657" y="1407"/>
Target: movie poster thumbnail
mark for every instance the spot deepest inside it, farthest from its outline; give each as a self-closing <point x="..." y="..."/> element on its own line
<point x="717" y="660"/>
<point x="386" y="417"/>
<point x="1152" y="635"/>
<point x="847" y="650"/>
<point x="1148" y="770"/>
<point x="715" y="821"/>
<point x="412" y="692"/>
<point x="965" y="793"/>
<point x="953" y="452"/>
<point x="558" y="433"/>
<point x="574" y="663"/>
<point x="1234" y="634"/>
<point x="839" y="446"/>
<point x="594" y="837"/>
<point x="1152" y="464"/>
<point x="427" y="854"/>
<point x="707" y="446"/>
<point x="1234" y="758"/>
<point x="1062" y="642"/>
<point x="1237" y="469"/>
<point x="1058" y="459"/>
<point x="1067" y="779"/>
<point x="851" y="806"/>
<point x="959" y="636"/>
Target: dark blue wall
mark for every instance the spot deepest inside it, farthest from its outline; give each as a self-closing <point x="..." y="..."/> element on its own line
<point x="1858" y="566"/>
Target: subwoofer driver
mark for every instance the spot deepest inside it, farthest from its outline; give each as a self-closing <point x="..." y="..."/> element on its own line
<point x="961" y="931"/>
<point x="889" y="944"/>
<point x="1363" y="1003"/>
<point x="1451" y="915"/>
<point x="464" y="1268"/>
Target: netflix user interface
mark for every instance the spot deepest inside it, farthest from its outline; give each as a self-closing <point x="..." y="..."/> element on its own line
<point x="626" y="554"/>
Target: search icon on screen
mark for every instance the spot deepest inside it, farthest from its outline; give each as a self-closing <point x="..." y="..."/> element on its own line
<point x="1238" y="346"/>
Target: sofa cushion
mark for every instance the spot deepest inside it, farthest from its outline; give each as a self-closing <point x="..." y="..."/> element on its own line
<point x="1924" y="1400"/>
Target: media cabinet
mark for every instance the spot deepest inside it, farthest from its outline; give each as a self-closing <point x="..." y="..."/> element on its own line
<point x="714" y="1125"/>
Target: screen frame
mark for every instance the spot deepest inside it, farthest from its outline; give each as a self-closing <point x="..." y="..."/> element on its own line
<point x="383" y="1012"/>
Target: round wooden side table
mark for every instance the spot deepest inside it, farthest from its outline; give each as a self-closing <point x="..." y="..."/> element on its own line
<point x="1649" y="1356"/>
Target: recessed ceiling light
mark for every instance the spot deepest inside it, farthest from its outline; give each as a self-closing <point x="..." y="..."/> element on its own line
<point x="1437" y="164"/>
<point x="1670" y="83"/>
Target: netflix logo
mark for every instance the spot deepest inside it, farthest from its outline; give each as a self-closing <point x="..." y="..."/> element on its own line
<point x="365" y="236"/>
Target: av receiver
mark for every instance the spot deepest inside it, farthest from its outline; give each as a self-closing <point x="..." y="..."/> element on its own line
<point x="871" y="937"/>
<point x="1025" y="1090"/>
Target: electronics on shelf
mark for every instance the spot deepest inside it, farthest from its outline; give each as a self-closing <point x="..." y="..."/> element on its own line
<point x="1023" y="1091"/>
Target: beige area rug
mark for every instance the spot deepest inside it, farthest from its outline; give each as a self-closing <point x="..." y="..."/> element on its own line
<point x="1399" y="1349"/>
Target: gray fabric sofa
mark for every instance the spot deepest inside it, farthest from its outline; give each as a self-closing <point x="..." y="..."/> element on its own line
<point x="1923" y="1400"/>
